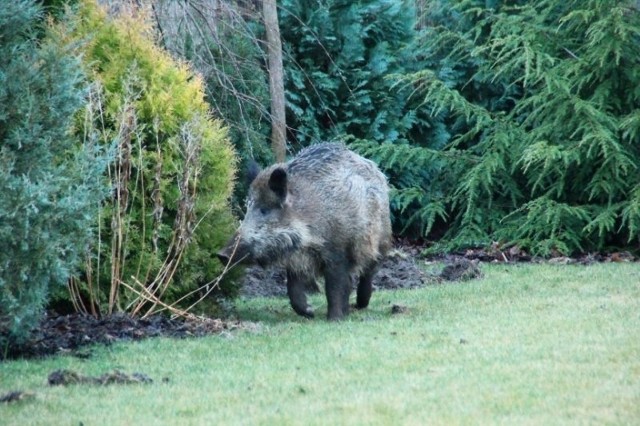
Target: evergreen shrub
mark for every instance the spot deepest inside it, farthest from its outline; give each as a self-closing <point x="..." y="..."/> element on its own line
<point x="541" y="102"/>
<point x="51" y="186"/>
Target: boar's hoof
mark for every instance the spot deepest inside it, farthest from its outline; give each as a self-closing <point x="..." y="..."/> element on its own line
<point x="304" y="312"/>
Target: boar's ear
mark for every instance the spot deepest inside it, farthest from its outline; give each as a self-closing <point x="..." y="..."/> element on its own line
<point x="253" y="169"/>
<point x="278" y="182"/>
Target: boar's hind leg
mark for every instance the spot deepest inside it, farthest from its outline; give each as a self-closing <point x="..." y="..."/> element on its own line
<point x="296" y="286"/>
<point x="365" y="287"/>
<point x="338" y="286"/>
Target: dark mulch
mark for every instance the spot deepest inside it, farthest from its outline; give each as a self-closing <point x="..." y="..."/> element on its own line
<point x="399" y="270"/>
<point x="59" y="334"/>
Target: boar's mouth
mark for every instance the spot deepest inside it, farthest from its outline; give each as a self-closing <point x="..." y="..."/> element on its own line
<point x="277" y="247"/>
<point x="263" y="251"/>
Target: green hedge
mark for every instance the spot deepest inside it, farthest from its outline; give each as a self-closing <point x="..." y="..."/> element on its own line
<point x="51" y="186"/>
<point x="540" y="104"/>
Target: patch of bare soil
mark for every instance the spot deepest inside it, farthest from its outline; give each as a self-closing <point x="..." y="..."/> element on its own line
<point x="399" y="270"/>
<point x="497" y="253"/>
<point x="71" y="334"/>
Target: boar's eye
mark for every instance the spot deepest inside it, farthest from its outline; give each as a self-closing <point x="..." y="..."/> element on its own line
<point x="264" y="211"/>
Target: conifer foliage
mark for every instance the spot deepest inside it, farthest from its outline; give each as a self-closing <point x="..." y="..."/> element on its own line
<point x="541" y="99"/>
<point x="338" y="55"/>
<point x="51" y="186"/>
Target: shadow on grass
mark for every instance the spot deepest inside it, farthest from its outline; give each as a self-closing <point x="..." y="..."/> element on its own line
<point x="272" y="310"/>
<point x="276" y="310"/>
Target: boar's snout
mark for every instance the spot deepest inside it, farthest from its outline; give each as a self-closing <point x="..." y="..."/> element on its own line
<point x="233" y="252"/>
<point x="223" y="257"/>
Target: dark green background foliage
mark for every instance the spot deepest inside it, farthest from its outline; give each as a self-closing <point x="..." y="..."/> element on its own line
<point x="51" y="185"/>
<point x="542" y="101"/>
<point x="337" y="57"/>
<point x="237" y="90"/>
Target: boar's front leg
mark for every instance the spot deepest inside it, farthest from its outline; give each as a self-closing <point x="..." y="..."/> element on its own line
<point x="338" y="287"/>
<point x="365" y="287"/>
<point x="296" y="286"/>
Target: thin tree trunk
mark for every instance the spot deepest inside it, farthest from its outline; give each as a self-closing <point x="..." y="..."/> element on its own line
<point x="276" y="82"/>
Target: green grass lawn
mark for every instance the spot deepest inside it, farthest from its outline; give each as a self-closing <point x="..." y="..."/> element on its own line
<point x="527" y="344"/>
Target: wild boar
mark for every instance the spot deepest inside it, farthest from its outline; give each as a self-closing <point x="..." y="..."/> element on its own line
<point x="324" y="213"/>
